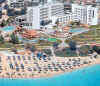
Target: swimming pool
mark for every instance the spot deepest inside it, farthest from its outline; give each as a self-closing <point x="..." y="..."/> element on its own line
<point x="78" y="30"/>
<point x="8" y="28"/>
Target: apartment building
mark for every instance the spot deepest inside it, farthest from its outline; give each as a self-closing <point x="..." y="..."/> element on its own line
<point x="41" y="15"/>
<point x="25" y="3"/>
<point x="44" y="14"/>
<point x="86" y="14"/>
<point x="97" y="2"/>
<point x="85" y="1"/>
<point x="56" y="9"/>
<point x="22" y="3"/>
<point x="16" y="3"/>
<point x="63" y="19"/>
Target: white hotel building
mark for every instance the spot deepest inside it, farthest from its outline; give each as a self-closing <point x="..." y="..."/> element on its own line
<point x="85" y="14"/>
<point x="37" y="14"/>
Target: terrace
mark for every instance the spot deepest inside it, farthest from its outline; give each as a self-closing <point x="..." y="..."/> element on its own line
<point x="88" y="37"/>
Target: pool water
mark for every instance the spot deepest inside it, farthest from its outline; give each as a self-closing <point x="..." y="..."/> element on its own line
<point x="8" y="28"/>
<point x="77" y="30"/>
<point x="52" y="39"/>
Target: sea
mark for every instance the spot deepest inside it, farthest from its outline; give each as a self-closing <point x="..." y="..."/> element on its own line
<point x="89" y="76"/>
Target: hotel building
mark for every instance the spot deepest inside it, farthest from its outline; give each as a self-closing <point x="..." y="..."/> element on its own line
<point x="41" y="15"/>
<point x="15" y="3"/>
<point x="25" y="3"/>
<point x="62" y="19"/>
<point x="85" y="1"/>
<point x="86" y="14"/>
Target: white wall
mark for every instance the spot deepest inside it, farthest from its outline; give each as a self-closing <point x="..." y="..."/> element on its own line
<point x="85" y="13"/>
<point x="36" y="18"/>
<point x="95" y="17"/>
<point x="36" y="15"/>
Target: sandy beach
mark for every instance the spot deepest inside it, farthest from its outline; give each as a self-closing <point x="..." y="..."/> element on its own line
<point x="34" y="68"/>
<point x="96" y="61"/>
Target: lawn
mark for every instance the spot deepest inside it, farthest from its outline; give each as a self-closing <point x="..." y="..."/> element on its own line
<point x="47" y="43"/>
<point x="95" y="26"/>
<point x="40" y="43"/>
<point x="91" y="36"/>
<point x="9" y="46"/>
<point x="47" y="51"/>
<point x="67" y="52"/>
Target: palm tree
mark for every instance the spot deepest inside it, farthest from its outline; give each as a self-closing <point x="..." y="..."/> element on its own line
<point x="1" y="39"/>
<point x="14" y="39"/>
<point x="72" y="45"/>
<point x="3" y="23"/>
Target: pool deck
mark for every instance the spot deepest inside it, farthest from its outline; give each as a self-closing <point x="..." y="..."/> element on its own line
<point x="76" y="33"/>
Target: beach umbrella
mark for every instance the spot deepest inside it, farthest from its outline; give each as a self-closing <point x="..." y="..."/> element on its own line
<point x="22" y="66"/>
<point x="23" y="57"/>
<point x="19" y="58"/>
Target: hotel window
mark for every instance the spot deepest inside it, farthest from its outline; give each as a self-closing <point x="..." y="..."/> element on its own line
<point x="60" y="19"/>
<point x="93" y="13"/>
<point x="30" y="24"/>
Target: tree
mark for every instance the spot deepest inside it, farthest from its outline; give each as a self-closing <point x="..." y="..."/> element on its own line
<point x="0" y="14"/>
<point x="6" y="6"/>
<point x="32" y="48"/>
<point x="23" y="11"/>
<point x="10" y="12"/>
<point x="55" y="45"/>
<point x="96" y="49"/>
<point x="14" y="50"/>
<point x="77" y="23"/>
<point x="1" y="39"/>
<point x="3" y="23"/>
<point x="14" y="39"/>
<point x="72" y="45"/>
<point x="2" y="1"/>
<point x="57" y="22"/>
<point x="84" y="50"/>
<point x="27" y="46"/>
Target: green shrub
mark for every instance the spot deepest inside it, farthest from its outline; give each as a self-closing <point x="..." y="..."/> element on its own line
<point x="84" y="50"/>
<point x="66" y="52"/>
<point x="48" y="52"/>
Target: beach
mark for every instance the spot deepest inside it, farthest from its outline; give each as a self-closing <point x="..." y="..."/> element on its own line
<point x="31" y="67"/>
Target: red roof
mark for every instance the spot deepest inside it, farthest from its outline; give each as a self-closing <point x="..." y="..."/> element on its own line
<point x="66" y="28"/>
<point x="29" y="34"/>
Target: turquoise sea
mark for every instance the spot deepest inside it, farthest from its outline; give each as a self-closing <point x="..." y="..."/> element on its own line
<point x="89" y="76"/>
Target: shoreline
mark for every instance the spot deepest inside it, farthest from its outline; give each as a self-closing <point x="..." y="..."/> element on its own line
<point x="60" y="73"/>
<point x="52" y="74"/>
